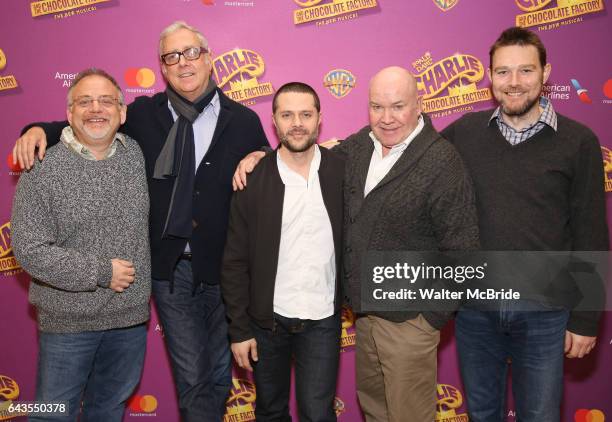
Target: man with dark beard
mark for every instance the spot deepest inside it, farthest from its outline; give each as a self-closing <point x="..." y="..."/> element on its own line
<point x="280" y="273"/>
<point x="539" y="185"/>
<point x="405" y="189"/>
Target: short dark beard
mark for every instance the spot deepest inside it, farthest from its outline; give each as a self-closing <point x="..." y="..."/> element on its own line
<point x="311" y="141"/>
<point x="522" y="111"/>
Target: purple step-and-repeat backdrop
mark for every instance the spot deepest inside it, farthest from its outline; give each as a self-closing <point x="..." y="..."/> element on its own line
<point x="335" y="46"/>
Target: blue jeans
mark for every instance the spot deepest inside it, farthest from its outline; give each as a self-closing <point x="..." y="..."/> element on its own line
<point x="533" y="340"/>
<point x="195" y="331"/>
<point x="101" y="368"/>
<point x="315" y="347"/>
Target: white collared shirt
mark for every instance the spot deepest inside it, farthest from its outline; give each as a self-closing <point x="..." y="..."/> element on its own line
<point x="306" y="271"/>
<point x="379" y="165"/>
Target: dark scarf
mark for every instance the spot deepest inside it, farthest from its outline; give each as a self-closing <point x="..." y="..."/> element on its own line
<point x="177" y="160"/>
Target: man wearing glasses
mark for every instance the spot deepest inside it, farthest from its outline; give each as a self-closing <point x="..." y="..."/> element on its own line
<point x="192" y="137"/>
<point x="89" y="258"/>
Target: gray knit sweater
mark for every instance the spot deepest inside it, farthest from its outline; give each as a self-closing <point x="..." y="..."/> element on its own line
<point x="71" y="216"/>
<point x="425" y="203"/>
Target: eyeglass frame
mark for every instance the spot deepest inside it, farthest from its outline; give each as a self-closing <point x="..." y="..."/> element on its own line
<point x="201" y="50"/>
<point x="90" y="100"/>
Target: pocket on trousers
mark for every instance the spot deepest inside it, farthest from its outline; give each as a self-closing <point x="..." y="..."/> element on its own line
<point x="421" y="323"/>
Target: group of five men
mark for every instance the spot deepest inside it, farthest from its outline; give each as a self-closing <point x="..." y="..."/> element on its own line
<point x="280" y="257"/>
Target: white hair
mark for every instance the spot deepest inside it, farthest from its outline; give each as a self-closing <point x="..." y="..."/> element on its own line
<point x="175" y="26"/>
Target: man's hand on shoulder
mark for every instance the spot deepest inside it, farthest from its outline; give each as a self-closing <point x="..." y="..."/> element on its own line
<point x="241" y="352"/>
<point x="329" y="144"/>
<point x="245" y="166"/>
<point x="577" y="346"/>
<point x="25" y="147"/>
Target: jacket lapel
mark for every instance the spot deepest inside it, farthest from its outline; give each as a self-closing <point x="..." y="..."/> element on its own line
<point x="271" y="197"/>
<point x="362" y="164"/>
<point x="163" y="114"/>
<point x="330" y="180"/>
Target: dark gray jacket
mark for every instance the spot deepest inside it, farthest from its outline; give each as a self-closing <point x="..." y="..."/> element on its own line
<point x="425" y="203"/>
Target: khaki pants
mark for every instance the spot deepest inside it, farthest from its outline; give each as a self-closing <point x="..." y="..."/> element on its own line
<point x="396" y="369"/>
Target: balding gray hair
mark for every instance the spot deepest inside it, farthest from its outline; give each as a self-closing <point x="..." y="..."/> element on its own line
<point x="93" y="71"/>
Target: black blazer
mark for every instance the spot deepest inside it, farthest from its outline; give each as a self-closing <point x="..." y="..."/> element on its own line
<point x="253" y="240"/>
<point x="238" y="132"/>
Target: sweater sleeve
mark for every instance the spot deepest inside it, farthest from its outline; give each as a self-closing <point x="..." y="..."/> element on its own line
<point x="34" y="237"/>
<point x="587" y="199"/>
<point x="588" y="221"/>
<point x="235" y="277"/>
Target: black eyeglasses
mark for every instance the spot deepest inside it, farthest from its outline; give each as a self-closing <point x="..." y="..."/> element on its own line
<point x="191" y="53"/>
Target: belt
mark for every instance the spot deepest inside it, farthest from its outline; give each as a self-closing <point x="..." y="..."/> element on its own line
<point x="186" y="256"/>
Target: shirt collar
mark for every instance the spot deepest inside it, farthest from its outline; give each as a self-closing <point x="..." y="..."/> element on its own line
<point x="216" y="105"/>
<point x="70" y="140"/>
<point x="402" y="145"/>
<point x="548" y="115"/>
<point x="284" y="169"/>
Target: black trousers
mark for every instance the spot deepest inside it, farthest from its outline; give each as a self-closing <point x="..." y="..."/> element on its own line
<point x="315" y="348"/>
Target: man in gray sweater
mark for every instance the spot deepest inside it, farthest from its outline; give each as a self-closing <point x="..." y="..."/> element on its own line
<point x="80" y="228"/>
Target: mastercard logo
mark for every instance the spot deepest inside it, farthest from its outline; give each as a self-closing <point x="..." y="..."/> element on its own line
<point x="143" y="404"/>
<point x="2" y="60"/>
<point x="589" y="415"/>
<point x="11" y="166"/>
<point x="135" y="77"/>
<point x="208" y="2"/>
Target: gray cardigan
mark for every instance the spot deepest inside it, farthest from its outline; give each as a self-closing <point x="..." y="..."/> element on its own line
<point x="425" y="203"/>
<point x="71" y="216"/>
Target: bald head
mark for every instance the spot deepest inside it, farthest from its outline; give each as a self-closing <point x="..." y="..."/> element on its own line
<point x="392" y="77"/>
<point x="394" y="105"/>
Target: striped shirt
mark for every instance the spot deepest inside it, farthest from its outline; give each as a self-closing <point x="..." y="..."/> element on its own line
<point x="72" y="143"/>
